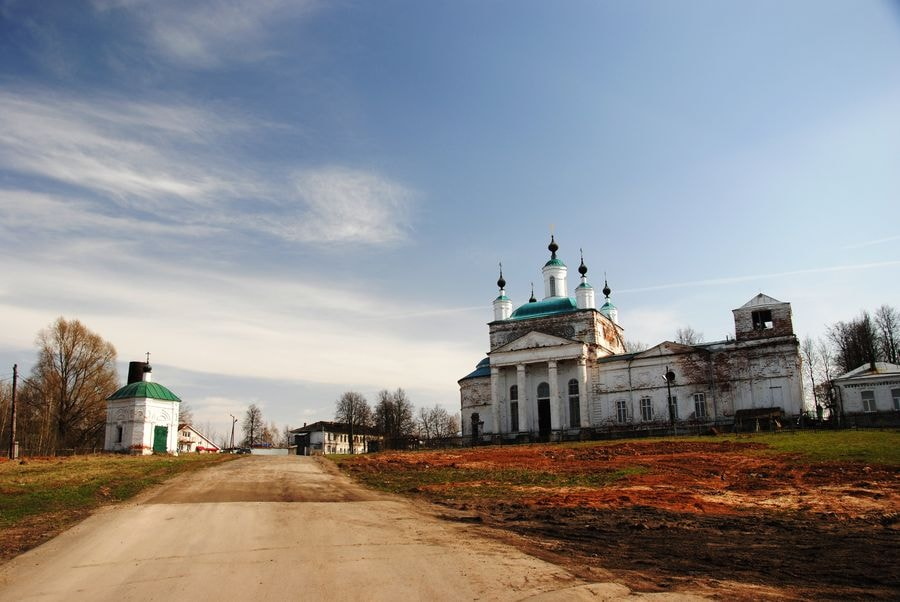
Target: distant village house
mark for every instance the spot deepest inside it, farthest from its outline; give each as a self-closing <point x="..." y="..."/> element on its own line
<point x="324" y="437"/>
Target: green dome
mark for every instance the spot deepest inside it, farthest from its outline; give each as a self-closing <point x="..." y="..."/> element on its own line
<point x="142" y="388"/>
<point x="547" y="307"/>
<point x="555" y="261"/>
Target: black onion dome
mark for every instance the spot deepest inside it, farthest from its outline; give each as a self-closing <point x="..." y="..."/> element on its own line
<point x="606" y="289"/>
<point x="552" y="247"/>
<point x="532" y="299"/>
<point x="501" y="282"/>
<point x="582" y="269"/>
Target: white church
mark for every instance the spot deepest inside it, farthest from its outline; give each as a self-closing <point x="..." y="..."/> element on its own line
<point x="558" y="369"/>
<point x="142" y="416"/>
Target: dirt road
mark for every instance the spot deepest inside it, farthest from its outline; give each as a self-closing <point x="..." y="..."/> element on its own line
<point x="268" y="528"/>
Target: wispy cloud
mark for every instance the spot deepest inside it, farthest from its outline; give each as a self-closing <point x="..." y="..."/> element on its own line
<point x="162" y="162"/>
<point x="351" y="205"/>
<point x="136" y="152"/>
<point x="208" y="34"/>
<point x="872" y="243"/>
<point x="733" y="279"/>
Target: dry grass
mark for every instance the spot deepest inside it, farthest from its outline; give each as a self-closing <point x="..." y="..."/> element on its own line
<point x="40" y="497"/>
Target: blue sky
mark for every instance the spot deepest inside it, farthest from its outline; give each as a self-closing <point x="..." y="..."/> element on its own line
<point x="283" y="200"/>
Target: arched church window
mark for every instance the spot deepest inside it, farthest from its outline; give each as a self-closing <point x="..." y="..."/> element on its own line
<point x="574" y="405"/>
<point x="552" y="286"/>
<point x="543" y="392"/>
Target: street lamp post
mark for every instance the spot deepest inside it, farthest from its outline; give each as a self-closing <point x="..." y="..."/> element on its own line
<point x="669" y="377"/>
<point x="233" y="422"/>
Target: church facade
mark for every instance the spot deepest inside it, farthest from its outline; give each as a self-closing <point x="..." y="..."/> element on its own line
<point x="558" y="368"/>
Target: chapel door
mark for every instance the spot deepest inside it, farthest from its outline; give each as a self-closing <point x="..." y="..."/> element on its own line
<point x="160" y="438"/>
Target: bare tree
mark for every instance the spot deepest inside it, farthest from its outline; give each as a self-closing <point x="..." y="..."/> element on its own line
<point x="286" y="439"/>
<point x="253" y="425"/>
<point x="437" y="423"/>
<point x="855" y="342"/>
<point x="5" y="417"/>
<point x="635" y="346"/>
<point x="66" y="394"/>
<point x="353" y="410"/>
<point x="688" y="336"/>
<point x="185" y="414"/>
<point x="888" y="321"/>
<point x="810" y="355"/>
<point x="210" y="433"/>
<point x="394" y="417"/>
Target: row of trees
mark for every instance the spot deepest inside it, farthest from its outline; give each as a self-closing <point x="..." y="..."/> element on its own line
<point x="62" y="404"/>
<point x="394" y="418"/>
<point x="846" y="346"/>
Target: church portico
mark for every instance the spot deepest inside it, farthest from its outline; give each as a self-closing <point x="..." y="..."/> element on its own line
<point x="517" y="397"/>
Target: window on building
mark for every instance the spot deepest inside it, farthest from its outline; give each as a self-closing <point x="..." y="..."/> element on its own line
<point x="543" y="391"/>
<point x="700" y="405"/>
<point x="621" y="411"/>
<point x="868" y="400"/>
<point x="646" y="409"/>
<point x="673" y="407"/>
<point x="514" y="393"/>
<point x="552" y="286"/>
<point x="119" y="433"/>
<point x="574" y="404"/>
<point x="762" y="319"/>
<point x="895" y="393"/>
<point x="514" y="416"/>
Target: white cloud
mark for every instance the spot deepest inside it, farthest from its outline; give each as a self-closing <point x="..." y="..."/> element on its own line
<point x="134" y="152"/>
<point x="351" y="206"/>
<point x="211" y="33"/>
<point x="162" y="162"/>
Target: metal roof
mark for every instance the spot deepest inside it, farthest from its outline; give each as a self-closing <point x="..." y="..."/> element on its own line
<point x="142" y="389"/>
<point x="547" y="307"/>
<point x="482" y="369"/>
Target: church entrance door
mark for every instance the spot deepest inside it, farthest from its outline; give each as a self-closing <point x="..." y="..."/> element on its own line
<point x="160" y="437"/>
<point x="544" y="419"/>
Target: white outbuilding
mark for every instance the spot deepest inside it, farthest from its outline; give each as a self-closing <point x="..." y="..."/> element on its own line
<point x="142" y="416"/>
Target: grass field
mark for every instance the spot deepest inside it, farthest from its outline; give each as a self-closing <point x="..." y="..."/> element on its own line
<point x="775" y="511"/>
<point x="41" y="497"/>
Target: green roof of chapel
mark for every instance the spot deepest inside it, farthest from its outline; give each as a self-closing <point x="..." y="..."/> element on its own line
<point x="142" y="389"/>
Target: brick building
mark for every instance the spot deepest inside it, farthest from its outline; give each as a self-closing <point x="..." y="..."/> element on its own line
<point x="558" y="367"/>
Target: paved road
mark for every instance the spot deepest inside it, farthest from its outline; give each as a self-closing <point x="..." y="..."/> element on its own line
<point x="280" y="528"/>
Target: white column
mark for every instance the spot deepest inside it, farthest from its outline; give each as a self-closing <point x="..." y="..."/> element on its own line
<point x="583" y="392"/>
<point x="554" y="394"/>
<point x="524" y="411"/>
<point x="495" y="399"/>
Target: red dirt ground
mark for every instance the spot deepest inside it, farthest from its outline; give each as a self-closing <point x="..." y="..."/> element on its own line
<point x="713" y="517"/>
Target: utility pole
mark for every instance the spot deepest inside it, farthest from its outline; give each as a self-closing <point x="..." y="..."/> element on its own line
<point x="233" y="422"/>
<point x="13" y="444"/>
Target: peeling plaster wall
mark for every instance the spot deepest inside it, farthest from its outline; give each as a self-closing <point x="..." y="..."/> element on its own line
<point x="586" y="325"/>
<point x="731" y="375"/>
<point x="475" y="397"/>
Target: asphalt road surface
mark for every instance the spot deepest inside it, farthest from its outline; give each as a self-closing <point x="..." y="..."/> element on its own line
<point x="281" y="528"/>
